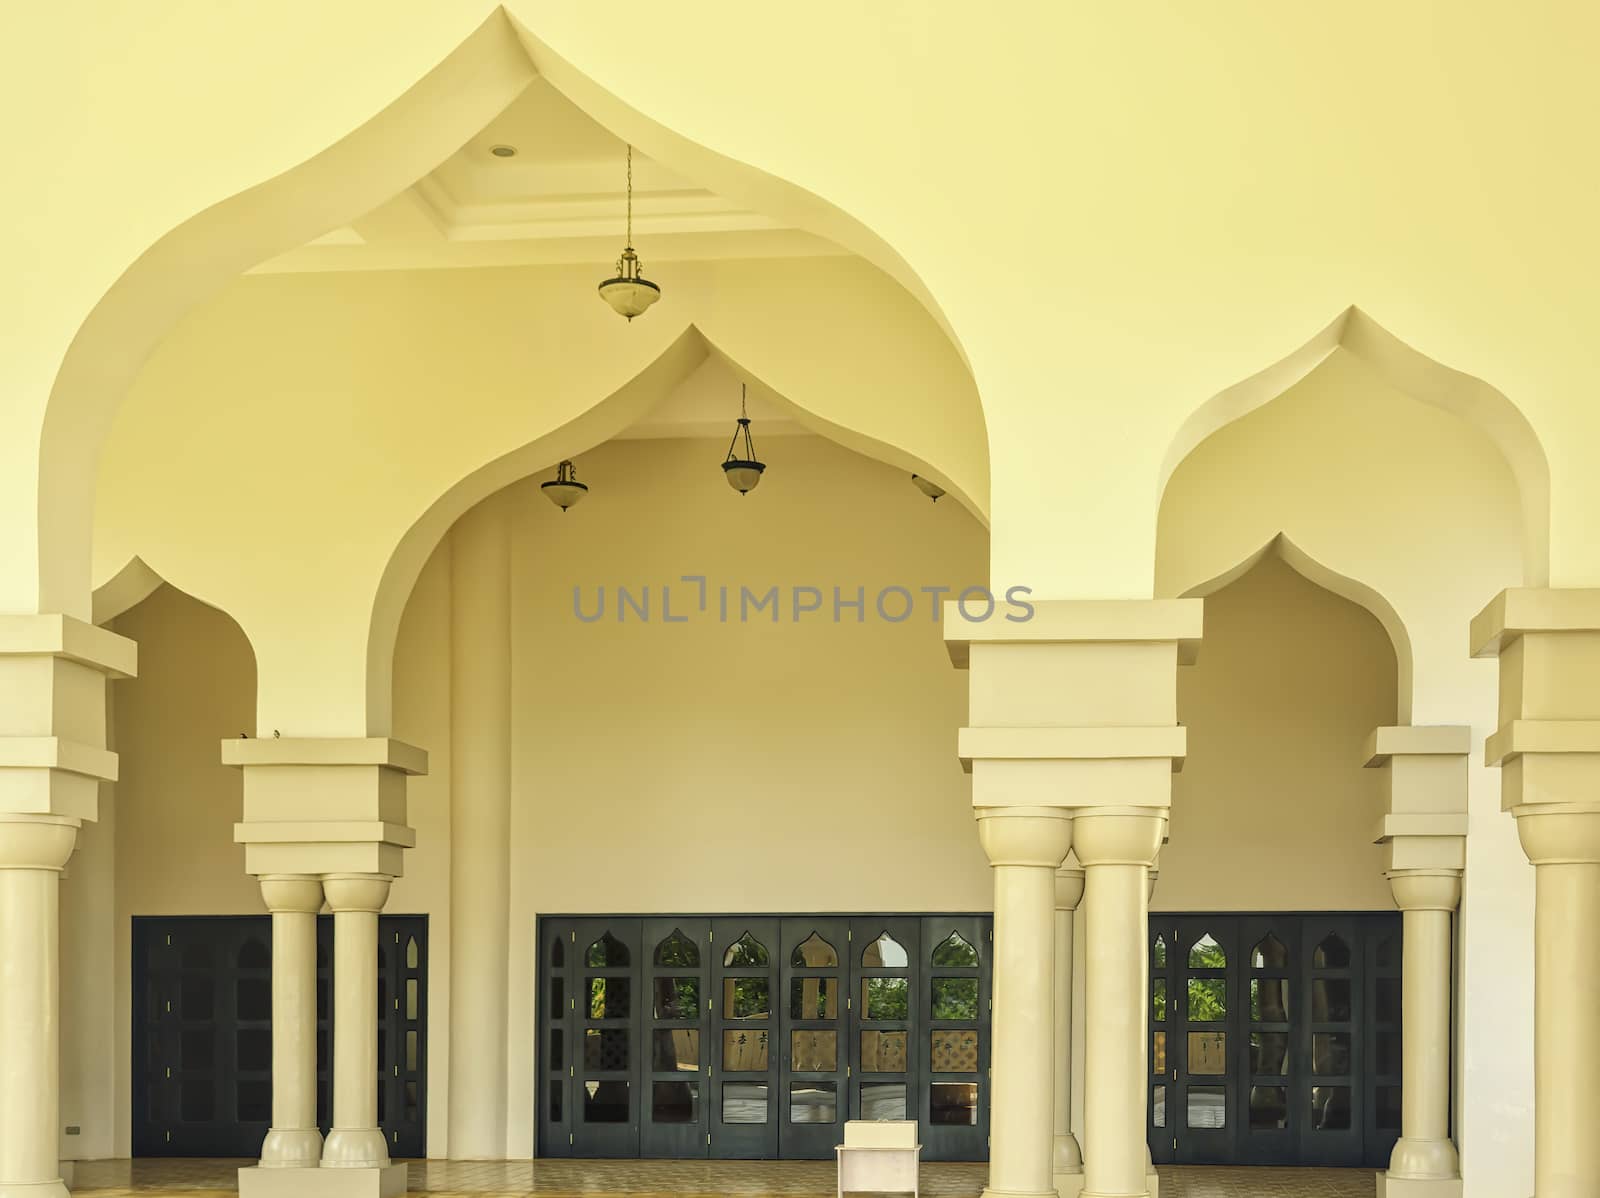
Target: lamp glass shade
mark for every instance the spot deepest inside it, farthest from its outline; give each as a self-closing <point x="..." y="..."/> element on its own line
<point x="563" y="493"/>
<point x="743" y="476"/>
<point x="928" y="487"/>
<point x="629" y="297"/>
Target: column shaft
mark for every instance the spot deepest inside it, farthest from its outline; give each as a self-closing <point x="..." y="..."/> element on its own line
<point x="30" y="1034"/>
<point x="1425" y="1012"/>
<point x="1566" y="1036"/>
<point x="1068" y="1156"/>
<point x="294" y="1141"/>
<point x="355" y="1141"/>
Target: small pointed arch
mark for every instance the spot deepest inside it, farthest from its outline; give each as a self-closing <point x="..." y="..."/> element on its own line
<point x="1207" y="953"/>
<point x="813" y="953"/>
<point x="558" y="952"/>
<point x="678" y="951"/>
<point x="746" y="953"/>
<point x="1415" y="374"/>
<point x="955" y="952"/>
<point x="1269" y="953"/>
<point x="254" y="954"/>
<point x="884" y="952"/>
<point x="607" y="953"/>
<point x="1332" y="952"/>
<point x="413" y="953"/>
<point x="1158" y="953"/>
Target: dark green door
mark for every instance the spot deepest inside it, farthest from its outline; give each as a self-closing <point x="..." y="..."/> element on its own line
<point x="676" y="968"/>
<point x="744" y="1017"/>
<point x="813" y="1082"/>
<point x="953" y="1094"/>
<point x="605" y="1091"/>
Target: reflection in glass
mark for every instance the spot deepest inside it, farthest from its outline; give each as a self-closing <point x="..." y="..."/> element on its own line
<point x="411" y="1051"/>
<point x="1159" y="953"/>
<point x="1158" y="1106"/>
<point x="607" y="953"/>
<point x="1208" y="1000"/>
<point x="675" y="1102"/>
<point x="1389" y="1052"/>
<point x="744" y="1051"/>
<point x="1208" y="1107"/>
<point x="883" y="1100"/>
<point x="1269" y="1053"/>
<point x="955" y="998"/>
<point x="1269" y="1000"/>
<point x="746" y="998"/>
<point x="675" y="1050"/>
<point x="813" y="1102"/>
<point x="813" y="953"/>
<point x="813" y="1052"/>
<point x="953" y="1051"/>
<point x="1330" y="1000"/>
<point x="813" y="998"/>
<point x="1158" y="1054"/>
<point x="1330" y="1108"/>
<point x="603" y="1102"/>
<point x="885" y="953"/>
<point x="675" y="998"/>
<point x="1208" y="1053"/>
<point x="558" y="953"/>
<point x="610" y="998"/>
<point x="1330" y="1054"/>
<point x="1206" y="953"/>
<point x="1158" y="999"/>
<point x="411" y="998"/>
<point x="1388" y="1108"/>
<point x="955" y="953"/>
<point x="1269" y="954"/>
<point x="1269" y="1107"/>
<point x="953" y="1104"/>
<point x="1332" y="953"/>
<point x="411" y="952"/>
<point x="744" y="1102"/>
<point x="746" y="953"/>
<point x="678" y="951"/>
<point x="605" y="1049"/>
<point x="885" y="998"/>
<point x="1389" y="1000"/>
<point x="883" y="1052"/>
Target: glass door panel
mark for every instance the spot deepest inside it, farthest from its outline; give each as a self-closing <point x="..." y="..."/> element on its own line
<point x="677" y="956"/>
<point x="1203" y="1038"/>
<point x="1333" y="1102"/>
<point x="953" y="1094"/>
<point x="1161" y="1066"/>
<point x="1383" y="955"/>
<point x="606" y="1065"/>
<point x="745" y="1018"/>
<point x="813" y="1085"/>
<point x="557" y="1007"/>
<point x="1268" y="1111"/>
<point x="885" y="994"/>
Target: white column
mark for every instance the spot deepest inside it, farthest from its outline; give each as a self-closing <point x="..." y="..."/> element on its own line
<point x="33" y="850"/>
<point x="1025" y="845"/>
<point x="1068" y="1168"/>
<point x="480" y="830"/>
<point x="1116" y="847"/>
<point x="355" y="1142"/>
<point x="294" y="1141"/>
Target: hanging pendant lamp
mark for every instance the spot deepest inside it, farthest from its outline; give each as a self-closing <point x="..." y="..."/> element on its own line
<point x="928" y="487"/>
<point x="629" y="293"/>
<point x="742" y="473"/>
<point x="564" y="489"/>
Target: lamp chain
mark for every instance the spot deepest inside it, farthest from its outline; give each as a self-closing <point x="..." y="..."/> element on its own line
<point x="630" y="197"/>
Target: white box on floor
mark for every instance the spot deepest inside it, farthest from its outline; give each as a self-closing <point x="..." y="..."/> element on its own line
<point x="879" y="1156"/>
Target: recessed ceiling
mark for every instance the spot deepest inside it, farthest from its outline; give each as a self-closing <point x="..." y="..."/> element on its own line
<point x="559" y="198"/>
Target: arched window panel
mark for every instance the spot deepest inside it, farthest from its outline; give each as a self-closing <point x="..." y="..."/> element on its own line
<point x="813" y="953"/>
<point x="1159" y="953"/>
<point x="558" y="953"/>
<point x="746" y="952"/>
<point x="678" y="951"/>
<point x="885" y="953"/>
<point x="955" y="953"/>
<point x="607" y="953"/>
<point x="1269" y="953"/>
<point x="1332" y="953"/>
<point x="1206" y="953"/>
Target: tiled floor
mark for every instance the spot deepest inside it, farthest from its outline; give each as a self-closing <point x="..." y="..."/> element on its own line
<point x="695" y="1179"/>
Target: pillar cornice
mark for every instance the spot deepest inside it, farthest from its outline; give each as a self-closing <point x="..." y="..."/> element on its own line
<point x="1424" y="826"/>
<point x="1425" y="889"/>
<point x="356" y="892"/>
<point x="291" y="893"/>
<point x="1118" y="836"/>
<point x="43" y="842"/>
<point x="1069" y="887"/>
<point x="1027" y="836"/>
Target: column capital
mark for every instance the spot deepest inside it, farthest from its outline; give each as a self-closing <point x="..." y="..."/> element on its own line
<point x="1559" y="833"/>
<point x="1034" y="836"/>
<point x="1118" y="835"/>
<point x="42" y="842"/>
<point x="356" y="892"/>
<point x="291" y="893"/>
<point x="1425" y="889"/>
<point x="1069" y="886"/>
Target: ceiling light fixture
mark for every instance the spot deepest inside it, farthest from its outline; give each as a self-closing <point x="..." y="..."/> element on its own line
<point x="503" y="151"/>
<point x="743" y="473"/>
<point x="629" y="293"/>
<point x="928" y="487"/>
<point x="564" y="489"/>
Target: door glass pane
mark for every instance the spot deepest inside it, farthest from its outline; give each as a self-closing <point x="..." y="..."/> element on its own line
<point x="1159" y="952"/>
<point x="953" y="1051"/>
<point x="411" y="998"/>
<point x="813" y="998"/>
<point x="197" y="1049"/>
<point x="746" y="953"/>
<point x="885" y="953"/>
<point x="411" y="952"/>
<point x="1158" y="999"/>
<point x="195" y="998"/>
<point x="1389" y="953"/>
<point x="1208" y="1107"/>
<point x="558" y="1044"/>
<point x="1158" y="1055"/>
<point x="813" y="1102"/>
<point x="1158" y="1106"/>
<point x="1388" y="1000"/>
<point x="555" y="1102"/>
<point x="1330" y="1054"/>
<point x="1269" y="1000"/>
<point x="1332" y="953"/>
<point x="675" y="1050"/>
<point x="607" y="953"/>
<point x="744" y="1102"/>
<point x="883" y="1100"/>
<point x="1388" y="1108"/>
<point x="558" y="998"/>
<point x="1330" y="1000"/>
<point x="814" y="953"/>
<point x="1269" y="1107"/>
<point x="883" y="1052"/>
<point x="253" y="1102"/>
<point x="885" y="998"/>
<point x="953" y="1104"/>
<point x="1206" y="953"/>
<point x="1269" y="954"/>
<point x="746" y="998"/>
<point x="675" y="1102"/>
<point x="675" y="998"/>
<point x="814" y="1052"/>
<point x="610" y="998"/>
<point x="558" y="953"/>
<point x="955" y="953"/>
<point x="605" y="1049"/>
<point x="604" y="1102"/>
<point x="254" y="996"/>
<point x="955" y="998"/>
<point x="1208" y="1053"/>
<point x="254" y="1049"/>
<point x="1208" y="1000"/>
<point x="744" y="1051"/>
<point x="1388" y="1052"/>
<point x="1330" y="1108"/>
<point x="677" y="951"/>
<point x="1269" y="1053"/>
<point x="411" y="1051"/>
<point x="196" y="1101"/>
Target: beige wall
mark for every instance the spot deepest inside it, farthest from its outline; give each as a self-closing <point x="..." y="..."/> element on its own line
<point x="1272" y="810"/>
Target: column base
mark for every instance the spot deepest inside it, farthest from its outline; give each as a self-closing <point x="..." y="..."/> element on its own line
<point x="292" y="1148"/>
<point x="355" y="1148"/>
<point x="54" y="1188"/>
<point x="1152" y="1189"/>
<point x="1390" y="1186"/>
<point x="388" y="1181"/>
<point x="1069" y="1185"/>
